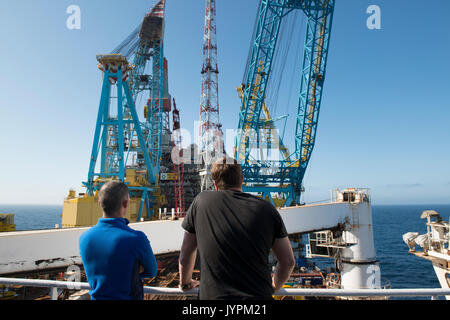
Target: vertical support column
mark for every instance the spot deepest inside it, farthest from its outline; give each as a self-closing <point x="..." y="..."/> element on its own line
<point x="120" y="127"/>
<point x="360" y="268"/>
<point x="103" y="108"/>
<point x="103" y="165"/>
<point x="160" y="102"/>
<point x="141" y="205"/>
<point x="54" y="293"/>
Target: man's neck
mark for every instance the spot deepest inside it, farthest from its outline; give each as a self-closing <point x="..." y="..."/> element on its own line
<point x="235" y="189"/>
<point x="112" y="216"/>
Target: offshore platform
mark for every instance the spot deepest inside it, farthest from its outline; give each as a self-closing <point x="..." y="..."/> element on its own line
<point x="140" y="152"/>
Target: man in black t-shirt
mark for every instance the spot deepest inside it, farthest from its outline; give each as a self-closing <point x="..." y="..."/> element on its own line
<point x="234" y="233"/>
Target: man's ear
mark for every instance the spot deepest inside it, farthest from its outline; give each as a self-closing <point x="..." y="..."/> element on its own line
<point x="215" y="186"/>
<point x="125" y="203"/>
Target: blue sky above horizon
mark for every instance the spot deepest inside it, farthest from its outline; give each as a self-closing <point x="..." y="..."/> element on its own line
<point x="385" y="113"/>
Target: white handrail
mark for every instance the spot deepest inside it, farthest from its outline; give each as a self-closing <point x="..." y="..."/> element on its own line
<point x="283" y="292"/>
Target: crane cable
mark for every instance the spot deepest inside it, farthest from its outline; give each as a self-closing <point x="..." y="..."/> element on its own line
<point x="280" y="58"/>
<point x="297" y="64"/>
<point x="247" y="64"/>
<point x="129" y="45"/>
<point x="289" y="33"/>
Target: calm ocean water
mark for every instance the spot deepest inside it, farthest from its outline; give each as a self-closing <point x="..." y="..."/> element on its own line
<point x="400" y="268"/>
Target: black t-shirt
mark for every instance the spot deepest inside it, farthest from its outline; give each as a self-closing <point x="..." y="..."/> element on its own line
<point x="235" y="232"/>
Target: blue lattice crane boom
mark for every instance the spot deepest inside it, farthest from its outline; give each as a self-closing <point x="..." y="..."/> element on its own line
<point x="152" y="45"/>
<point x="284" y="176"/>
<point x="143" y="46"/>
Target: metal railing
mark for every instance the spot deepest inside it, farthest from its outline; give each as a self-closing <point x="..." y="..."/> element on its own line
<point x="54" y="284"/>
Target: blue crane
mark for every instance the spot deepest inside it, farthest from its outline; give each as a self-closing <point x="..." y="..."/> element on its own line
<point x="283" y="176"/>
<point x="119" y="134"/>
<point x="145" y="44"/>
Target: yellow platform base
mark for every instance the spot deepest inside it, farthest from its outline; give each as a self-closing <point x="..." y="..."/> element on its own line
<point x="85" y="211"/>
<point x="7" y="222"/>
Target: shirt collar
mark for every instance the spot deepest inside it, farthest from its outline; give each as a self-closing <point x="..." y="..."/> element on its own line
<point x="114" y="221"/>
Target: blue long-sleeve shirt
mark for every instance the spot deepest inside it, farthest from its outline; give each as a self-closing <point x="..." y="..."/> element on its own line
<point x="110" y="252"/>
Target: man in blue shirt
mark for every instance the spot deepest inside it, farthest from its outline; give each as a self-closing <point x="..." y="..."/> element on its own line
<point x="116" y="257"/>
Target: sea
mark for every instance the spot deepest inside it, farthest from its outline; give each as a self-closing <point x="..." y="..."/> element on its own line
<point x="399" y="269"/>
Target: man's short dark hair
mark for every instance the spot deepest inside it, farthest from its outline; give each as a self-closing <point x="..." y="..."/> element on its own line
<point x="226" y="173"/>
<point x="111" y="196"/>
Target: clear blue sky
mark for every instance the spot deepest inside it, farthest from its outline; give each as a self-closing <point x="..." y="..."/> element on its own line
<point x="385" y="114"/>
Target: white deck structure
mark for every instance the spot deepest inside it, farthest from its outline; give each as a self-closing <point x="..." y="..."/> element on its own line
<point x="27" y="251"/>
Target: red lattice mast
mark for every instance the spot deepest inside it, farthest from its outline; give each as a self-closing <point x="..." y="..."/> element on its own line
<point x="210" y="128"/>
<point x="178" y="167"/>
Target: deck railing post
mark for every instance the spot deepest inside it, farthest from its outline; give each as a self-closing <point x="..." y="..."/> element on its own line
<point x="54" y="293"/>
